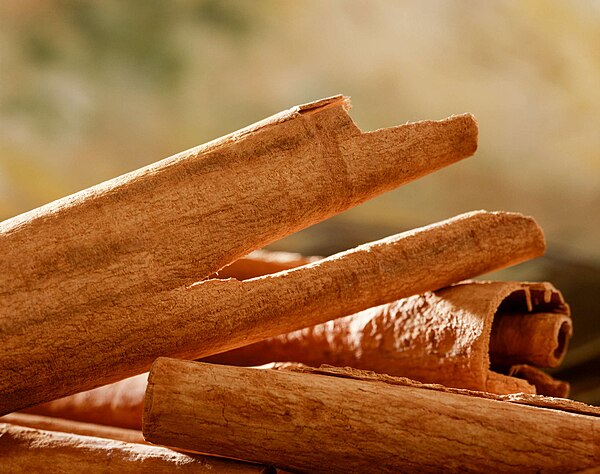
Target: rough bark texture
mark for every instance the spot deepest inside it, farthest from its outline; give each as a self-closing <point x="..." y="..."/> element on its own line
<point x="440" y="337"/>
<point x="68" y="425"/>
<point x="27" y="450"/>
<point x="90" y="263"/>
<point x="330" y="424"/>
<point x="47" y="361"/>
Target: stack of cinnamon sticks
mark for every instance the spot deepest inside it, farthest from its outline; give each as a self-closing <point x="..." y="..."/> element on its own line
<point x="385" y="357"/>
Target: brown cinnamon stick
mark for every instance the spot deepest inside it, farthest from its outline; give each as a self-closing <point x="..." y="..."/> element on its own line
<point x="523" y="338"/>
<point x="63" y="425"/>
<point x="442" y="337"/>
<point x="85" y="267"/>
<point x="217" y="315"/>
<point x="329" y="424"/>
<point x="27" y="450"/>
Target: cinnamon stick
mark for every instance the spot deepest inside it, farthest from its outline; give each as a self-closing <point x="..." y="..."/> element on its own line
<point x="97" y="254"/>
<point x="441" y="337"/>
<point x="62" y="425"/>
<point x="27" y="450"/>
<point x="523" y="338"/>
<point x="319" y="423"/>
<point x="218" y="315"/>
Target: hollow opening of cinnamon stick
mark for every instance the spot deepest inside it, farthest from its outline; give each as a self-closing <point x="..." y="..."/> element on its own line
<point x="539" y="339"/>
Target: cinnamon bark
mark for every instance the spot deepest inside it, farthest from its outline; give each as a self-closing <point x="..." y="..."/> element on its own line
<point x="86" y="267"/>
<point x="62" y="425"/>
<point x="523" y="338"/>
<point x="218" y="315"/>
<point x="27" y="450"/>
<point x="441" y="337"/>
<point x="330" y="424"/>
<point x="544" y="384"/>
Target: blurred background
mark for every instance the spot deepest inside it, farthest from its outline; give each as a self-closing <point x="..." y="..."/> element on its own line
<point x="90" y="90"/>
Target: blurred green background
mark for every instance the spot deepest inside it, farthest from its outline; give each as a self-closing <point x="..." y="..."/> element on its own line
<point x="91" y="90"/>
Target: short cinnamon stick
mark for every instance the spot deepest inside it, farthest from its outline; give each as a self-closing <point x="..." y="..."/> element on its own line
<point x="27" y="450"/>
<point x="217" y="315"/>
<point x="62" y="425"/>
<point x="319" y="423"/>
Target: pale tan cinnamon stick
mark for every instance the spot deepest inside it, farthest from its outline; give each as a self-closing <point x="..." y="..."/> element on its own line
<point x="63" y="425"/>
<point x="329" y="424"/>
<point x="98" y="258"/>
<point x="539" y="339"/>
<point x="27" y="450"/>
<point x="217" y="315"/>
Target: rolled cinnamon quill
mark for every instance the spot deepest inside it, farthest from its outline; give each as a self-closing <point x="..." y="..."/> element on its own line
<point x="539" y="339"/>
<point x="79" y="273"/>
<point x="318" y="423"/>
<point x="446" y="337"/>
<point x="26" y="450"/>
<point x="214" y="316"/>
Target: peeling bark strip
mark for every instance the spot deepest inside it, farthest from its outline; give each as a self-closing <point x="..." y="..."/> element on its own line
<point x="328" y="424"/>
<point x="98" y="347"/>
<point x="27" y="450"/>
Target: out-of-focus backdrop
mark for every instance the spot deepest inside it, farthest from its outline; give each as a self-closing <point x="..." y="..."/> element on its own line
<point x="90" y="90"/>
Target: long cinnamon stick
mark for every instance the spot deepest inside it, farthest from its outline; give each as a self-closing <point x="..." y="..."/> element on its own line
<point x="318" y="423"/>
<point x="217" y="315"/>
<point x="95" y="253"/>
<point x="27" y="450"/>
<point x="63" y="425"/>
